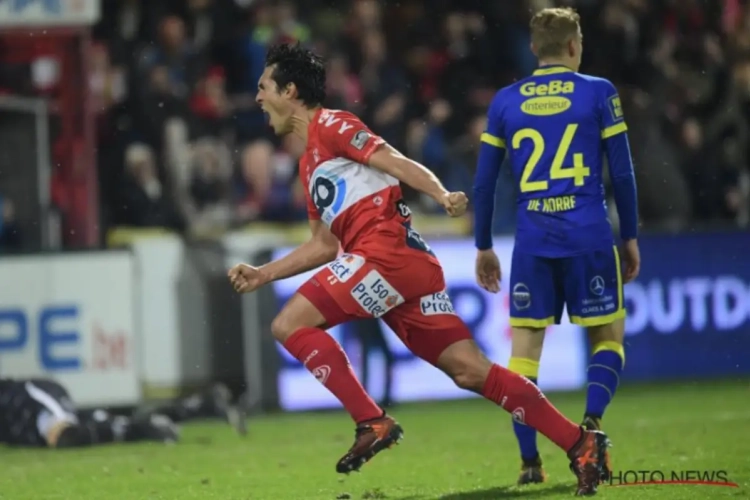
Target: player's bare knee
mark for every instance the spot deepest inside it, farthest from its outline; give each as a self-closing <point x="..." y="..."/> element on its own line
<point x="282" y="327"/>
<point x="527" y="343"/>
<point x="465" y="363"/>
<point x="611" y="332"/>
<point x="298" y="313"/>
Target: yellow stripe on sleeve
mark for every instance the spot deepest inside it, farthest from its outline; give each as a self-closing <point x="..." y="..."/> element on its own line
<point x="492" y="140"/>
<point x="614" y="130"/>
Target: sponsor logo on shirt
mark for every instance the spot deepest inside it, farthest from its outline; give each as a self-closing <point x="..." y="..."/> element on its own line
<point x="346" y="266"/>
<point x="436" y="303"/>
<point x="360" y="139"/>
<point x="376" y="295"/>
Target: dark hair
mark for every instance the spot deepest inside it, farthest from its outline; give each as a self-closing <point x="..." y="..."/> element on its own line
<point x="300" y="66"/>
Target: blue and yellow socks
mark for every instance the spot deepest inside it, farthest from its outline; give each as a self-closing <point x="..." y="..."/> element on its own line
<point x="605" y="366"/>
<point x="525" y="435"/>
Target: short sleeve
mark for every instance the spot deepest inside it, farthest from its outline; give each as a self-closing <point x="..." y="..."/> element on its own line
<point x="494" y="133"/>
<point x="350" y="138"/>
<point x="611" y="117"/>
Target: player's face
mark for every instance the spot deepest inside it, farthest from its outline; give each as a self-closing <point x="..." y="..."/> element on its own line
<point x="275" y="102"/>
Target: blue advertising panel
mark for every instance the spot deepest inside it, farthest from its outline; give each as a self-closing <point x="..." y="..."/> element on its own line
<point x="688" y="318"/>
<point x="689" y="310"/>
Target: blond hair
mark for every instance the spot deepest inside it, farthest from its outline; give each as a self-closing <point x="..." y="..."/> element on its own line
<point x="552" y="29"/>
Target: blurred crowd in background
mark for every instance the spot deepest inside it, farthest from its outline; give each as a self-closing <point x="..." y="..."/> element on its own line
<point x="182" y="144"/>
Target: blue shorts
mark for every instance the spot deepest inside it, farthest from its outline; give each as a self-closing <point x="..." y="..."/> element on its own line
<point x="590" y="285"/>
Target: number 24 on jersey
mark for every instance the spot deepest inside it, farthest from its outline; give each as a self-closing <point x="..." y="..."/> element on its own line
<point x="578" y="172"/>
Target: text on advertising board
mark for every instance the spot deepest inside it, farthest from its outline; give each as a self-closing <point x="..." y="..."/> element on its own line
<point x="56" y="331"/>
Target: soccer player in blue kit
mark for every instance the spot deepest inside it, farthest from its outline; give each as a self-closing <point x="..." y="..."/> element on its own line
<point x="555" y="128"/>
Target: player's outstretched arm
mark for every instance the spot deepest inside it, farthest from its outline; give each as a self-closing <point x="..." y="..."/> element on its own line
<point x="318" y="250"/>
<point x="389" y="160"/>
<point x="321" y="249"/>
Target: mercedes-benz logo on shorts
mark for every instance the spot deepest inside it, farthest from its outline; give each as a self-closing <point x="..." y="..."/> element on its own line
<point x="521" y="296"/>
<point x="597" y="286"/>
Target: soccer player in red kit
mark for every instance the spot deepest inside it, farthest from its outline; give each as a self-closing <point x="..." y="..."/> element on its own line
<point x="352" y="180"/>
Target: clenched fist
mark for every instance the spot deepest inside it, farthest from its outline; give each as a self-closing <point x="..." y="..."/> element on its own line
<point x="246" y="278"/>
<point x="455" y="203"/>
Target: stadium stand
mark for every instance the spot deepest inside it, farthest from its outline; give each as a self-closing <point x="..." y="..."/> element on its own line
<point x="180" y="143"/>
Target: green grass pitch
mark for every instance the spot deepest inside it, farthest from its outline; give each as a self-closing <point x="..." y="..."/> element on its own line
<point x="452" y="451"/>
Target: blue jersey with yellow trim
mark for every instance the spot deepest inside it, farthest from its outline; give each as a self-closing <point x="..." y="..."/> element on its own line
<point x="553" y="125"/>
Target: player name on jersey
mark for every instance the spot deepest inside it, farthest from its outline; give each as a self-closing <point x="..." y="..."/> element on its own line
<point x="553" y="204"/>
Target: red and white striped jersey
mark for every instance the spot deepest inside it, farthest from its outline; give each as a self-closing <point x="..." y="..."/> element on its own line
<point x="362" y="206"/>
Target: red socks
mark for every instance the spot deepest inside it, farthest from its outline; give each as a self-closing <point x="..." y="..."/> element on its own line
<point x="527" y="405"/>
<point x="325" y="358"/>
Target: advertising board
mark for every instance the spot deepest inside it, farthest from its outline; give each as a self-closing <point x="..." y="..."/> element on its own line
<point x="71" y="318"/>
